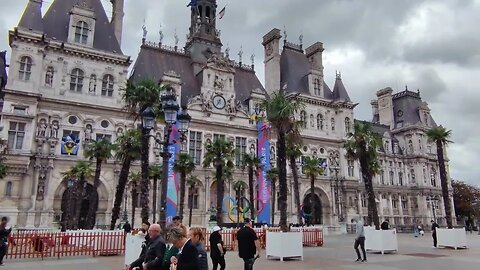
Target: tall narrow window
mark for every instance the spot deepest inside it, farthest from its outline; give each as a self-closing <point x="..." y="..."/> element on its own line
<point x="351" y="167"/>
<point x="107" y="85"/>
<point x="25" y="68"/>
<point x="81" y="32"/>
<point x="16" y="134"/>
<point x="303" y="119"/>
<point x="195" y="146"/>
<point x="320" y="121"/>
<point x="400" y="178"/>
<point x="8" y="189"/>
<point x="392" y="181"/>
<point x="412" y="175"/>
<point x="348" y="125"/>
<point x="382" y="177"/>
<point x="316" y="87"/>
<point x="76" y="80"/>
<point x="241" y="149"/>
<point x="410" y="147"/>
<point x="193" y="198"/>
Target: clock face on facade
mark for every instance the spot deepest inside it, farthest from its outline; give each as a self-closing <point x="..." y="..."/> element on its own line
<point x="219" y="102"/>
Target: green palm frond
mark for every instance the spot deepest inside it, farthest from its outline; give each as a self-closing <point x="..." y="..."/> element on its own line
<point x="184" y="164"/>
<point x="129" y="144"/>
<point x="80" y="169"/>
<point x="440" y="134"/>
<point x="312" y="167"/>
<point x="100" y="150"/>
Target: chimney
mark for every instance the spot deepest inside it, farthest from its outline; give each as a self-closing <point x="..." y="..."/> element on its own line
<point x="385" y="107"/>
<point x="314" y="55"/>
<point x="375" y="113"/>
<point x="117" y="18"/>
<point x="271" y="44"/>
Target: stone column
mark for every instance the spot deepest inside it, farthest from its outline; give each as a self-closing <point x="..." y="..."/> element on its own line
<point x="400" y="207"/>
<point x="390" y="205"/>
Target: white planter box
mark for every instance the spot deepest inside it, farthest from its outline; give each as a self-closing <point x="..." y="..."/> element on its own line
<point x="133" y="247"/>
<point x="284" y="245"/>
<point x="381" y="240"/>
<point x="455" y="238"/>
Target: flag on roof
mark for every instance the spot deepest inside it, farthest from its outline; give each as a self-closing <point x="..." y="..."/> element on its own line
<point x="221" y="13"/>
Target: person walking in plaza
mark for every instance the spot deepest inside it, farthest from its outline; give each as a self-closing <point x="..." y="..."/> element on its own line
<point x="359" y="239"/>
<point x="154" y="251"/>
<point x="248" y="245"/>
<point x="4" y="233"/>
<point x="434" y="232"/>
<point x="187" y="258"/>
<point x="385" y="225"/>
<point x="138" y="262"/>
<point x="197" y="236"/>
<point x="217" y="251"/>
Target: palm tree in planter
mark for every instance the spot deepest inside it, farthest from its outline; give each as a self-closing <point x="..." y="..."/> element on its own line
<point x="128" y="150"/>
<point x="272" y="176"/>
<point x="239" y="188"/>
<point x="101" y="151"/>
<point x="220" y="154"/>
<point x="362" y="145"/>
<point x="252" y="163"/>
<point x="281" y="110"/>
<point x="155" y="172"/>
<point x="135" y="179"/>
<point x="441" y="136"/>
<point x="293" y="153"/>
<point x="81" y="171"/>
<point x="312" y="169"/>
<point x="183" y="165"/>
<point x="139" y="96"/>
<point x="193" y="182"/>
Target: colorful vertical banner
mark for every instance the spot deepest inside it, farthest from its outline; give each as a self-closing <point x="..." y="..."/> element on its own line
<point x="172" y="186"/>
<point x="263" y="153"/>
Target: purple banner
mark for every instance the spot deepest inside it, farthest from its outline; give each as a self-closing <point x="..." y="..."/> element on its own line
<point x="263" y="153"/>
<point x="172" y="186"/>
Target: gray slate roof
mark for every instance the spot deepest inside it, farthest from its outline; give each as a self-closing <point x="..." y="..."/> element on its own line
<point x="152" y="63"/>
<point x="56" y="21"/>
<point x="294" y="70"/>
<point x="409" y="103"/>
<point x="32" y="17"/>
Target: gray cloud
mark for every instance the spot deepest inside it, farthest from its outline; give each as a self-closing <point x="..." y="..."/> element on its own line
<point x="427" y="44"/>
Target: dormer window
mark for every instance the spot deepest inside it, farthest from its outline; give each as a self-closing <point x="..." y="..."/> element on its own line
<point x="107" y="85"/>
<point x="81" y="32"/>
<point x="25" y="68"/>
<point x="316" y="87"/>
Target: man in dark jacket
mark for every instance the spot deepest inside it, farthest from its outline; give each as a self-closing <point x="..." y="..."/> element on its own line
<point x="4" y="232"/>
<point x="187" y="258"/>
<point x="385" y="225"/>
<point x="434" y="232"/>
<point x="217" y="251"/>
<point x="248" y="245"/>
<point x="156" y="250"/>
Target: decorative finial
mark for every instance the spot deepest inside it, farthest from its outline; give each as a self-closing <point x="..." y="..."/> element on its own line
<point x="252" y="57"/>
<point x="418" y="92"/>
<point x="406" y="87"/>
<point x="144" y="28"/>
<point x="338" y="74"/>
<point x="285" y="34"/>
<point x="240" y="54"/>
<point x="301" y="39"/>
<point x="227" y="52"/>
<point x="161" y="34"/>
<point x="176" y="38"/>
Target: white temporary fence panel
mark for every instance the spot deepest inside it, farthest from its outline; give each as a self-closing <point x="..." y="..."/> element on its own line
<point x="381" y="240"/>
<point x="284" y="245"/>
<point x="133" y="247"/>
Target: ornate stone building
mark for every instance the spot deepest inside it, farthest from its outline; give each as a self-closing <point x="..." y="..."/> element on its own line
<point x="67" y="70"/>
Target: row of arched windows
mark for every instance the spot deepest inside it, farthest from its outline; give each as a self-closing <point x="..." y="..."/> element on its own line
<point x="77" y="78"/>
<point x="320" y="122"/>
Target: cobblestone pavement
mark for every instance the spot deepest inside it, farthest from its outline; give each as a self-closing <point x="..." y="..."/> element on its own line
<point x="337" y="253"/>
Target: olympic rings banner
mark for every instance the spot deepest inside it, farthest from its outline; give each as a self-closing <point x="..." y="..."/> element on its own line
<point x="172" y="186"/>
<point x="263" y="153"/>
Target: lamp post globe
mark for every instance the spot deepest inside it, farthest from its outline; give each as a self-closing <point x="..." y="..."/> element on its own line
<point x="148" y="118"/>
<point x="170" y="110"/>
<point x="183" y="120"/>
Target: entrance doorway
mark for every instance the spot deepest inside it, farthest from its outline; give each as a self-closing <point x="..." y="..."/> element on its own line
<point x="74" y="212"/>
<point x="307" y="208"/>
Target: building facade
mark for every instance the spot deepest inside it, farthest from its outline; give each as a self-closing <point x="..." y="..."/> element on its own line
<point x="64" y="90"/>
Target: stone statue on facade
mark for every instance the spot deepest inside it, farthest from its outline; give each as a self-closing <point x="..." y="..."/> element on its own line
<point x="54" y="129"/>
<point x="88" y="133"/>
<point x="49" y="77"/>
<point x="42" y="128"/>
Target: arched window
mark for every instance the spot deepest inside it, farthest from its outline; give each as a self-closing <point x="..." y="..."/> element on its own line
<point x="303" y="118"/>
<point x="107" y="85"/>
<point x="410" y="147"/>
<point x="333" y="124"/>
<point x="382" y="177"/>
<point x="391" y="178"/>
<point x="348" y="125"/>
<point x="412" y="176"/>
<point x="8" y="189"/>
<point x="49" y="77"/>
<point x="319" y="121"/>
<point x="92" y="85"/>
<point x="81" y="32"/>
<point x="25" y="68"/>
<point x="76" y="80"/>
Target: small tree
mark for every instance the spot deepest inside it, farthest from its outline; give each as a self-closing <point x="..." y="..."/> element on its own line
<point x="293" y="153"/>
<point x="466" y="198"/>
<point x="362" y="145"/>
<point x="441" y="136"/>
<point x="272" y="176"/>
<point x="252" y="163"/>
<point x="312" y="169"/>
<point x="184" y="165"/>
<point x="220" y="154"/>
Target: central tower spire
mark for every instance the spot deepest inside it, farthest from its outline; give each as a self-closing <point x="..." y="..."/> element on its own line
<point x="203" y="33"/>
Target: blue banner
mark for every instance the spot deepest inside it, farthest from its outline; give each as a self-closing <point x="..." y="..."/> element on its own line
<point x="172" y="186"/>
<point x="264" y="191"/>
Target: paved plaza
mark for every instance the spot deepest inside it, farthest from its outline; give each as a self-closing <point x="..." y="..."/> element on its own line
<point x="337" y="253"/>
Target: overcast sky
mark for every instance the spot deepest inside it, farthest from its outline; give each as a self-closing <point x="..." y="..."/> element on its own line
<point x="429" y="45"/>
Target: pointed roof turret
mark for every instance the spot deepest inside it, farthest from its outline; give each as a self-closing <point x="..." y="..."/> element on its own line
<point x="32" y="16"/>
<point x="339" y="91"/>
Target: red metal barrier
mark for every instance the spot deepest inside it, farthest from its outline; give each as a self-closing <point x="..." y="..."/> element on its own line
<point x="59" y="244"/>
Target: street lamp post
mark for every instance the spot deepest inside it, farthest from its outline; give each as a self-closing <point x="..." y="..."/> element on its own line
<point x="170" y="109"/>
<point x="432" y="199"/>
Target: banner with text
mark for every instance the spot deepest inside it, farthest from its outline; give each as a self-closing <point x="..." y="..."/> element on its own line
<point x="172" y="186"/>
<point x="263" y="153"/>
